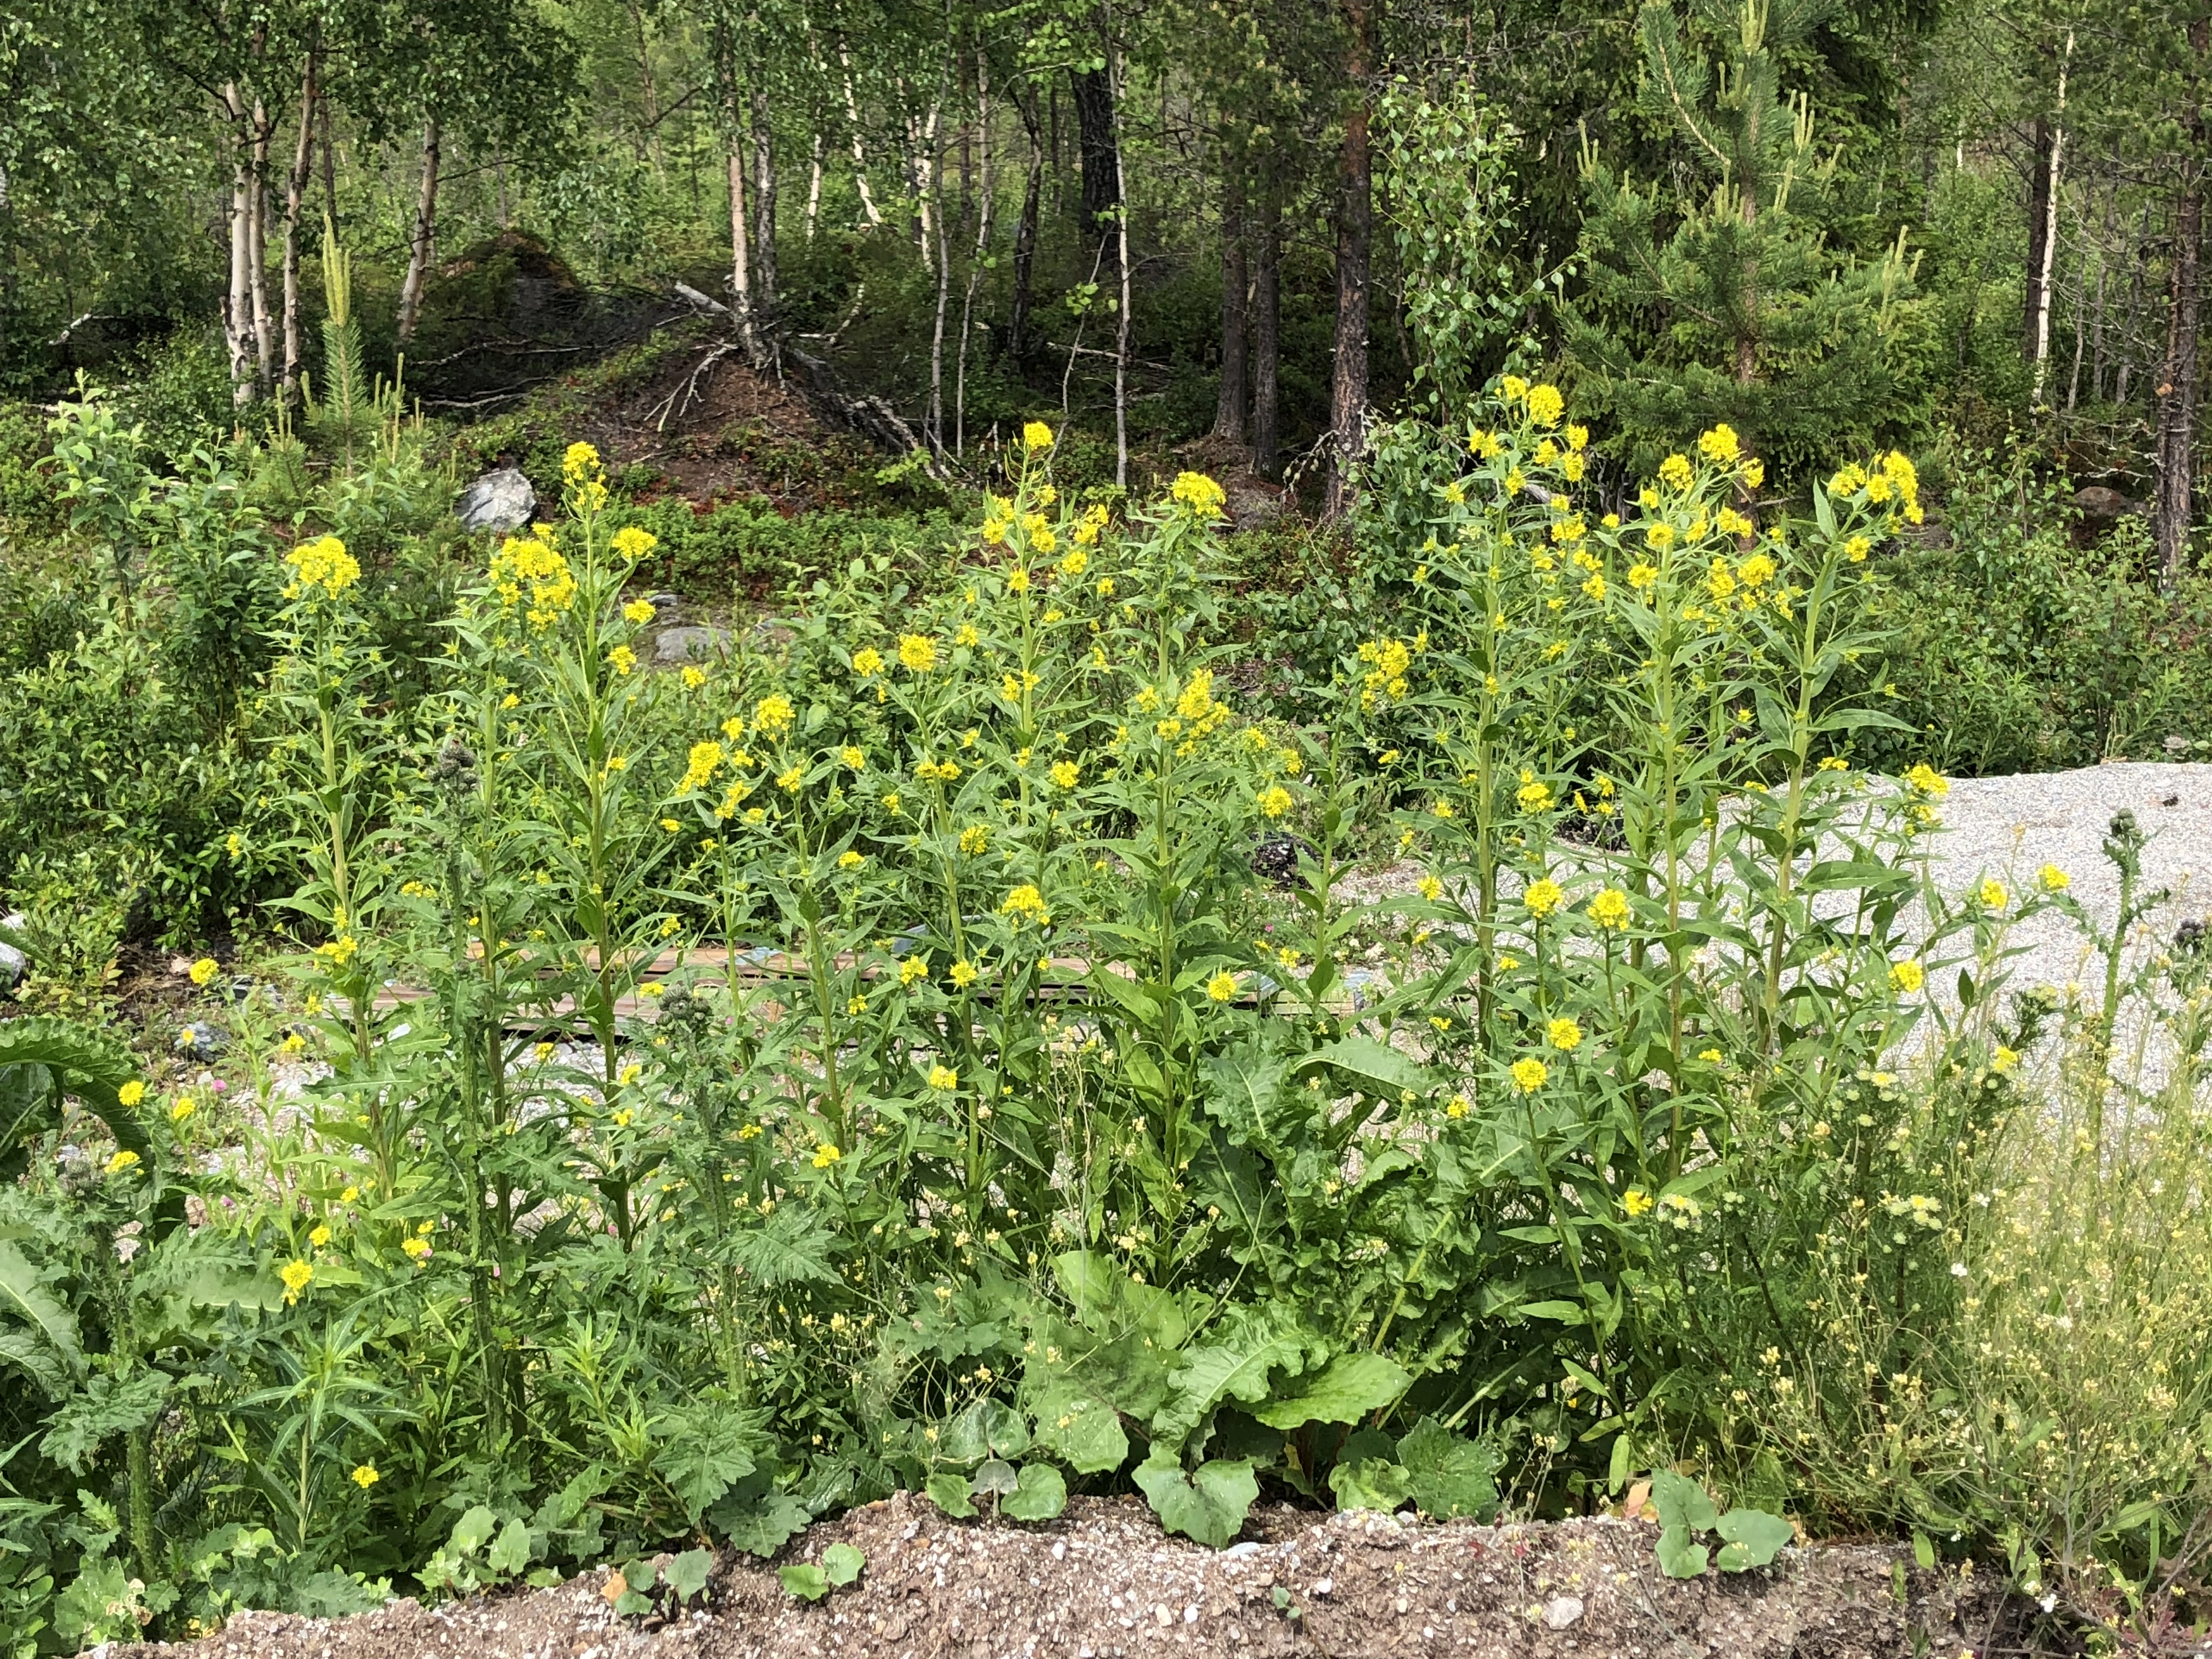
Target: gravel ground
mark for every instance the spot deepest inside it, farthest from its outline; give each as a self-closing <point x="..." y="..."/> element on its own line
<point x="1103" y="1583"/>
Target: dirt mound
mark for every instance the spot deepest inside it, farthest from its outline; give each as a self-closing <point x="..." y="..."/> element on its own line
<point x="1102" y="1582"/>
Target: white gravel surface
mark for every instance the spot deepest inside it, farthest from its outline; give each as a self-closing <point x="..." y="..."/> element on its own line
<point x="2010" y="827"/>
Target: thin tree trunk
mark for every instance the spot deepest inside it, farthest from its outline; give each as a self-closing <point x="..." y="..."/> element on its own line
<point x="1355" y="228"/>
<point x="1228" y="402"/>
<point x="765" y="285"/>
<point x="2130" y="330"/>
<point x="933" y="224"/>
<point x="2040" y="280"/>
<point x="2178" y="388"/>
<point x="814" y="187"/>
<point x="741" y="262"/>
<point x="860" y="153"/>
<point x="420" y="247"/>
<point x="238" y="303"/>
<point x="2039" y="235"/>
<point x="1267" y="328"/>
<point x="329" y="163"/>
<point x="1121" y="256"/>
<point x="645" y="86"/>
<point x="295" y="192"/>
<point x="2080" y="324"/>
<point x="265" y="331"/>
<point x="982" y="248"/>
<point x="1025" y="236"/>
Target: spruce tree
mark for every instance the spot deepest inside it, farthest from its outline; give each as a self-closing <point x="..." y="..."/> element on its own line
<point x="1740" y="301"/>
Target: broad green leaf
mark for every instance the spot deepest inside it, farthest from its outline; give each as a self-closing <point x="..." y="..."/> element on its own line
<point x="995" y="1479"/>
<point x="1369" y="1484"/>
<point x="1449" y="1476"/>
<point x="806" y="1581"/>
<point x="1243" y="1089"/>
<point x="764" y="1527"/>
<point x="1085" y="1431"/>
<point x="1572" y="1313"/>
<point x="842" y="1563"/>
<point x="1678" y="1558"/>
<point x="1209" y="1506"/>
<point x="950" y="1493"/>
<point x="1681" y="1502"/>
<point x="792" y="1246"/>
<point x="686" y="1576"/>
<point x="24" y="1292"/>
<point x="986" y="1428"/>
<point x="510" y="1551"/>
<point x="1235" y="1367"/>
<point x="1042" y="1494"/>
<point x="474" y="1529"/>
<point x="704" y="1450"/>
<point x="1348" y="1388"/>
<point x="1751" y="1537"/>
<point x="1376" y="1067"/>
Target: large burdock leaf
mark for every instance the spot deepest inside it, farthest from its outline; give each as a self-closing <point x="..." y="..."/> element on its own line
<point x="50" y="1352"/>
<point x="1450" y="1476"/>
<point x="1750" y="1538"/>
<point x="1345" y="1390"/>
<point x="1209" y="1505"/>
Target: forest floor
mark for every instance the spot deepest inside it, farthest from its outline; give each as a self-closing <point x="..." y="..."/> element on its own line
<point x="1102" y="1582"/>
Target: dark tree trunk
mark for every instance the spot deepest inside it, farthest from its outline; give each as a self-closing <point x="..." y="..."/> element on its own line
<point x="1268" y="330"/>
<point x="2178" y="385"/>
<point x="1019" y="344"/>
<point x="2038" y="225"/>
<point x="1355" y="231"/>
<point x="1094" y="117"/>
<point x="1229" y="405"/>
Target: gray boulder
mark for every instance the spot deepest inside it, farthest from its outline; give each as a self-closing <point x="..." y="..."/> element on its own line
<point x="12" y="960"/>
<point x="677" y="645"/>
<point x="501" y="501"/>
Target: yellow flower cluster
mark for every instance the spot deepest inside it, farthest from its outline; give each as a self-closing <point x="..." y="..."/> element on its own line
<point x="1891" y="482"/>
<point x="530" y="568"/>
<point x="1199" y="494"/>
<point x="1389" y="660"/>
<point x="323" y="566"/>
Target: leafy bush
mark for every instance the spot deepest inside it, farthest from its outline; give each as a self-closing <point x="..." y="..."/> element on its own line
<point x="1007" y="1134"/>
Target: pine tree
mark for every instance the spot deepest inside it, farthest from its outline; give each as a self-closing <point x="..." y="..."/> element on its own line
<point x="1743" y="304"/>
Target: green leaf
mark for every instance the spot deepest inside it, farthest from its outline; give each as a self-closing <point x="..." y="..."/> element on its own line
<point x="1678" y="1557"/>
<point x="704" y="1450"/>
<point x="1235" y="1367"/>
<point x="950" y="1493"/>
<point x="473" y="1530"/>
<point x="1377" y="1068"/>
<point x="1572" y="1313"/>
<point x="105" y="1406"/>
<point x="1209" y="1506"/>
<point x="988" y="1428"/>
<point x="51" y="1351"/>
<point x="1369" y="1484"/>
<point x="1041" y="1495"/>
<point x="764" y="1527"/>
<point x="1752" y="1538"/>
<point x="1085" y="1431"/>
<point x="1350" y="1386"/>
<point x="1449" y="1476"/>
<point x="791" y="1247"/>
<point x="842" y="1563"/>
<point x="510" y="1551"/>
<point x="686" y="1576"/>
<point x="1682" y="1502"/>
<point x="1242" y="1088"/>
<point x="807" y="1583"/>
<point x="996" y="1478"/>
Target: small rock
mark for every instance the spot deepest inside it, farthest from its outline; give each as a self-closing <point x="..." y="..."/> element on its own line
<point x="1162" y="1616"/>
<point x="693" y="644"/>
<point x="1190" y="1613"/>
<point x="1324" y="1586"/>
<point x="1562" y="1611"/>
<point x="12" y="962"/>
<point x="199" y="1041"/>
<point x="2098" y="502"/>
<point x="501" y="501"/>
